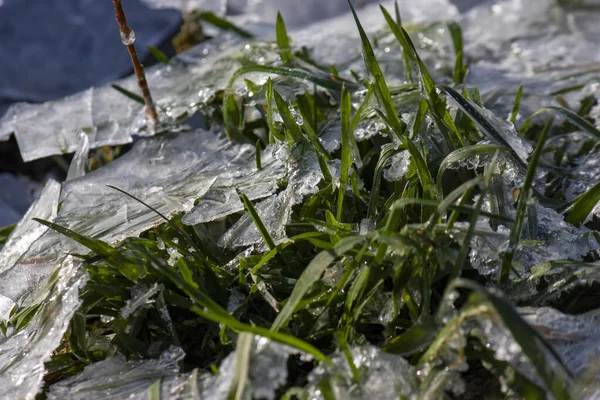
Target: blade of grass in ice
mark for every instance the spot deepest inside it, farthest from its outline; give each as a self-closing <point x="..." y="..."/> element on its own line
<point x="566" y="113"/>
<point x="310" y="275"/>
<point x="583" y="205"/>
<point x="288" y="119"/>
<point x="283" y="42"/>
<point x="348" y="355"/>
<point x="406" y="57"/>
<point x="345" y="110"/>
<point x="437" y="106"/>
<point x="463" y="153"/>
<point x="257" y="221"/>
<point x="257" y="152"/>
<point x="517" y="227"/>
<point x="457" y="39"/>
<point x="158" y="55"/>
<point x="555" y="375"/>
<point x="429" y="187"/>
<point x="129" y="94"/>
<point x="221" y="23"/>
<point x="385" y="155"/>
<point x="480" y="120"/>
<point x="466" y="245"/>
<point x="131" y="270"/>
<point x="516" y="105"/>
<point x="241" y="371"/>
<point x="381" y="89"/>
<point x="274" y="133"/>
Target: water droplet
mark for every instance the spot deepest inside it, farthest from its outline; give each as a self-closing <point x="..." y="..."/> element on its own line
<point x="129" y="38"/>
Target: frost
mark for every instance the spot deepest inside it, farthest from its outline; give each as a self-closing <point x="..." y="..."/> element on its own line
<point x="398" y="166"/>
<point x="116" y="378"/>
<point x="23" y="352"/>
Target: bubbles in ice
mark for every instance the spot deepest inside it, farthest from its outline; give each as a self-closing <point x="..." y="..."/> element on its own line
<point x="128" y="38"/>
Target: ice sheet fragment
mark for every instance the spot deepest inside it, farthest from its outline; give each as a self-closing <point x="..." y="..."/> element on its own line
<point x="23" y="352"/>
<point x="24" y="235"/>
<point x="116" y="378"/>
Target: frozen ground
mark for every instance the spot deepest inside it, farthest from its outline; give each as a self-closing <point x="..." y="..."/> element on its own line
<point x="178" y="172"/>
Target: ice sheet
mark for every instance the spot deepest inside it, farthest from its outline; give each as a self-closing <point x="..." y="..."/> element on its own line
<point x="23" y="352"/>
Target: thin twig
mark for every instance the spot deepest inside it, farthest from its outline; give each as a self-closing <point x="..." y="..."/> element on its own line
<point x="128" y="39"/>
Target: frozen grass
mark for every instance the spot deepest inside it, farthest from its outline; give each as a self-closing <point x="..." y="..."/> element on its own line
<point x="427" y="264"/>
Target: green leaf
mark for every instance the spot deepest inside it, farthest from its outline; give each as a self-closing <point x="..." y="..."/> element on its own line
<point x="382" y="93"/>
<point x="345" y="110"/>
<point x="437" y="106"/>
<point x="516" y="105"/>
<point x="158" y="55"/>
<point x="283" y="42"/>
<point x="583" y="205"/>
<point x="257" y="221"/>
<point x="515" y="230"/>
<point x="457" y="39"/>
<point x="470" y="110"/>
<point x="130" y="269"/>
<point x="241" y="372"/>
<point x="311" y="274"/>
<point x="222" y="23"/>
<point x="129" y="94"/>
<point x="566" y="113"/>
<point x="288" y="119"/>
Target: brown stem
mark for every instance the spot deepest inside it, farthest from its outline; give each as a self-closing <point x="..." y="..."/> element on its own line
<point x="127" y="36"/>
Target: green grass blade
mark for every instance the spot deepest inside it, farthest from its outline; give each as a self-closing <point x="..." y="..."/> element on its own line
<point x="516" y="105"/>
<point x="288" y="119"/>
<point x="131" y="270"/>
<point x="566" y="113"/>
<point x="438" y="109"/>
<point x="129" y="94"/>
<point x="274" y="133"/>
<point x="257" y="152"/>
<point x="461" y="154"/>
<point x="517" y="227"/>
<point x="457" y="39"/>
<point x="241" y="372"/>
<point x="311" y="274"/>
<point x="283" y="42"/>
<point x="466" y="107"/>
<point x="382" y="92"/>
<point x="257" y="221"/>
<point x="466" y="246"/>
<point x="583" y="205"/>
<point x="345" y="110"/>
<point x="158" y="55"/>
<point x="221" y="23"/>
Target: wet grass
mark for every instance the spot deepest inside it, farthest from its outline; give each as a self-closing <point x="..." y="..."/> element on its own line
<point x="368" y="260"/>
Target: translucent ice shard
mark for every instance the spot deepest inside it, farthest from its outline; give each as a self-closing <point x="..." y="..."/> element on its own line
<point x="382" y="376"/>
<point x="116" y="378"/>
<point x="24" y="235"/>
<point x="398" y="166"/>
<point x="575" y="337"/>
<point x="23" y="352"/>
<point x="80" y="159"/>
